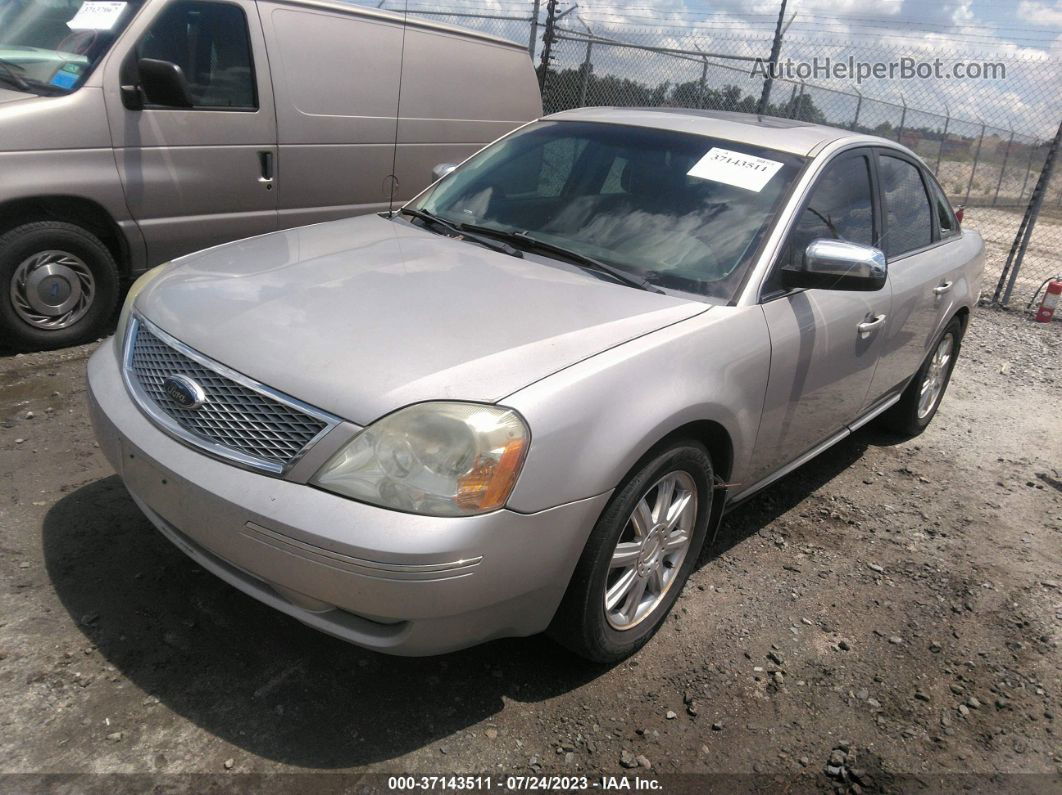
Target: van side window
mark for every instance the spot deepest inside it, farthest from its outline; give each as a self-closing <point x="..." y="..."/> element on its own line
<point x="908" y="218"/>
<point x="211" y="44"/>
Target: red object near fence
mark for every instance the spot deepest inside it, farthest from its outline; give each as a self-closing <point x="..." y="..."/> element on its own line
<point x="1050" y="302"/>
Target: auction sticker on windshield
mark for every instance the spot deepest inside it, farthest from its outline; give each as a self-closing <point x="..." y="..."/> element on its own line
<point x="96" y="15"/>
<point x="734" y="168"/>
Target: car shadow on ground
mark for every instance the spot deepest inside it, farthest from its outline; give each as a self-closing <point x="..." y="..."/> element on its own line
<point x="266" y="683"/>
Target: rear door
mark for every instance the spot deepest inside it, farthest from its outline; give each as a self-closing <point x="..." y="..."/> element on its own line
<point x="825" y="344"/>
<point x="919" y="225"/>
<point x="195" y="177"/>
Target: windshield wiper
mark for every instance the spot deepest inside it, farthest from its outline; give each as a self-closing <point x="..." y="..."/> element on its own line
<point x="9" y="74"/>
<point x="578" y="258"/>
<point x="460" y="231"/>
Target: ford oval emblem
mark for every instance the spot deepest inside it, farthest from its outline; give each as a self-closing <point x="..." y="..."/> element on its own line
<point x="183" y="391"/>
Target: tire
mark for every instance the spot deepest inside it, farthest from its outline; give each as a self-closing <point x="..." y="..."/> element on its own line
<point x="77" y="270"/>
<point x="583" y="623"/>
<point x="910" y="417"/>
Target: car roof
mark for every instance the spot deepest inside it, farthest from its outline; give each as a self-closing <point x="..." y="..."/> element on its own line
<point x="772" y="132"/>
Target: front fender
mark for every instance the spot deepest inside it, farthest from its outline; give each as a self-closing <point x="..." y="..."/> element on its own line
<point x="591" y="422"/>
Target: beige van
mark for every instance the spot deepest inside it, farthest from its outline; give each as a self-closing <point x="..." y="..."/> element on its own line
<point x="134" y="132"/>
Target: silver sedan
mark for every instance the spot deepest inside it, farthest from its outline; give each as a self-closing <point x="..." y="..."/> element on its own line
<point x="524" y="400"/>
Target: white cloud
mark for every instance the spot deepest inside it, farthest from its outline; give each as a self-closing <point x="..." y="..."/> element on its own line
<point x="1041" y="13"/>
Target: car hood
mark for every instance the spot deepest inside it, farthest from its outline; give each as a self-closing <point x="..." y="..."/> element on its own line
<point x="10" y="95"/>
<point x="366" y="315"/>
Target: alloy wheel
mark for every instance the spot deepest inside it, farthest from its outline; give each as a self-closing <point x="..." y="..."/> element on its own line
<point x="651" y="549"/>
<point x="936" y="376"/>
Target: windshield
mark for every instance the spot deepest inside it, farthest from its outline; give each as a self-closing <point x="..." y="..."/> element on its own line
<point x="682" y="211"/>
<point x="51" y="46"/>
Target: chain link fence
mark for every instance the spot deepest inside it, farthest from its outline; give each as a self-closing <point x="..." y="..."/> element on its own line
<point x="988" y="155"/>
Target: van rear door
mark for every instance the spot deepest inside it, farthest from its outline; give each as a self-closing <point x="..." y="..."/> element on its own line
<point x="336" y="76"/>
<point x="459" y="93"/>
<point x="198" y="176"/>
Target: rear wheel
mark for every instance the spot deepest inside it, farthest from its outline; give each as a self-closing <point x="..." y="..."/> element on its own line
<point x="58" y="286"/>
<point x="639" y="556"/>
<point x="922" y="397"/>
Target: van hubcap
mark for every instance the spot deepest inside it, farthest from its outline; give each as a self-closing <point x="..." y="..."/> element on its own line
<point x="936" y="376"/>
<point x="52" y="289"/>
<point x="650" y="551"/>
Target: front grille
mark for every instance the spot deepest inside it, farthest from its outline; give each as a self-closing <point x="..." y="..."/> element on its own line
<point x="233" y="415"/>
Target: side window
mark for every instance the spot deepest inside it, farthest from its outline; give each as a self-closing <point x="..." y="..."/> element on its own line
<point x="840" y="207"/>
<point x="945" y="214"/>
<point x="908" y="218"/>
<point x="211" y="44"/>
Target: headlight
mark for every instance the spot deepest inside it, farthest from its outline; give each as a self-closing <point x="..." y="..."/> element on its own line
<point x="438" y="459"/>
<point x="130" y="298"/>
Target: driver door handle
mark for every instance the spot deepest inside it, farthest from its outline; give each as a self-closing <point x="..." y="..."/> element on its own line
<point x="942" y="288"/>
<point x="868" y="326"/>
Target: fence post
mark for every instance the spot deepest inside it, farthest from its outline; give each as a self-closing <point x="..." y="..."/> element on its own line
<point x="534" y="29"/>
<point x="586" y="64"/>
<point x="1028" y="169"/>
<point x="702" y="85"/>
<point x="973" y="168"/>
<point x="943" y="139"/>
<point x="903" y="119"/>
<point x="547" y="46"/>
<point x="1003" y="168"/>
<point x="776" y="48"/>
<point x="859" y="107"/>
<point x="1032" y="212"/>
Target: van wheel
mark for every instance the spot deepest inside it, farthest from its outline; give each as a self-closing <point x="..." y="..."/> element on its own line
<point x="58" y="286"/>
<point x="638" y="556"/>
<point x="922" y="397"/>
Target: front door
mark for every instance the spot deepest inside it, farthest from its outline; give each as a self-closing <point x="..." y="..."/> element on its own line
<point x="825" y="344"/>
<point x="198" y="176"/>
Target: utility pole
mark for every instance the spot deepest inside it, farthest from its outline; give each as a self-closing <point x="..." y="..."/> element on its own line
<point x="776" y="49"/>
<point x="534" y="29"/>
<point x="547" y="43"/>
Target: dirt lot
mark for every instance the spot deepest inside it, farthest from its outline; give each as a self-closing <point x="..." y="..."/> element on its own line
<point x="890" y="610"/>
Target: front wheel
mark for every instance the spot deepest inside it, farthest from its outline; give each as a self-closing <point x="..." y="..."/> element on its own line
<point x="638" y="556"/>
<point x="59" y="286"/>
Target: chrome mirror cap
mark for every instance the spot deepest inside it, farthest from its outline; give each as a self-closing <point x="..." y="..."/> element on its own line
<point x="838" y="265"/>
<point x="441" y="170"/>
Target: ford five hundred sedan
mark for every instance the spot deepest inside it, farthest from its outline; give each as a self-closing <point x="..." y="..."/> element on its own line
<point x="523" y="401"/>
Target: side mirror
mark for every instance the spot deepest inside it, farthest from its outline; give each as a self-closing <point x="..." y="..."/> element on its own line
<point x="837" y="265"/>
<point x="441" y="171"/>
<point x="163" y="83"/>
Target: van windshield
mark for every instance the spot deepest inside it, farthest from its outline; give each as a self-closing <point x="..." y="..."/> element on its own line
<point x="49" y="47"/>
<point x="680" y="211"/>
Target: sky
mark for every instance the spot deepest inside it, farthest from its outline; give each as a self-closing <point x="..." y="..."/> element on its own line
<point x="1024" y="35"/>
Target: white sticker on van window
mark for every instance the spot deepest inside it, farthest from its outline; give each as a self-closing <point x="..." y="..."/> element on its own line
<point x="96" y="15"/>
<point x="734" y="168"/>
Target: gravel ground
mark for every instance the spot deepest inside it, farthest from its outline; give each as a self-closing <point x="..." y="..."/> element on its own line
<point x="887" y="614"/>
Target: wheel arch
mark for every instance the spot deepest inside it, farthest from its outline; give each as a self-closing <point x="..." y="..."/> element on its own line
<point x="75" y="210"/>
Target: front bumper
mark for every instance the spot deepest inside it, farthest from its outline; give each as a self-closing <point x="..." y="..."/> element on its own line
<point x="390" y="581"/>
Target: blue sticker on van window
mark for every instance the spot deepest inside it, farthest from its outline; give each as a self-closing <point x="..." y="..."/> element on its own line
<point x="67" y="76"/>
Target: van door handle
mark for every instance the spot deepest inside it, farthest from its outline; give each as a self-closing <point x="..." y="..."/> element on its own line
<point x="869" y="326"/>
<point x="942" y="288"/>
<point x="265" y="160"/>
